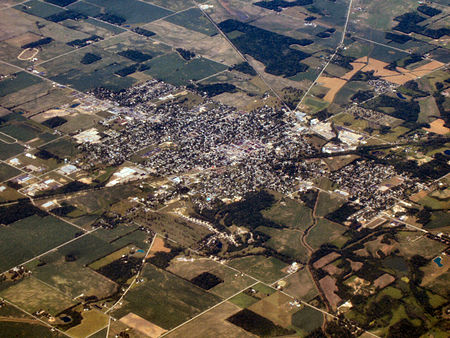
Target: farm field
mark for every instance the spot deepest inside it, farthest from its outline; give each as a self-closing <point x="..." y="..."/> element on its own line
<point x="224" y="168"/>
<point x="33" y="295"/>
<point x="174" y="299"/>
<point x="39" y="233"/>
<point x="233" y="281"/>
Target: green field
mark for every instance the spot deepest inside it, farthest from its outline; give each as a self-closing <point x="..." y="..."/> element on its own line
<point x="327" y="232"/>
<point x="243" y="300"/>
<point x="22" y="132"/>
<point x="31" y="236"/>
<point x="266" y="269"/>
<point x="328" y="203"/>
<point x="38" y="8"/>
<point x="62" y="148"/>
<point x="165" y="299"/>
<point x="290" y="213"/>
<point x="173" y="69"/>
<point x="133" y="11"/>
<point x="87" y="249"/>
<point x="6" y="172"/>
<point x="193" y="19"/>
<point x="12" y="329"/>
<point x="17" y="82"/>
<point x="307" y="319"/>
<point x="285" y="241"/>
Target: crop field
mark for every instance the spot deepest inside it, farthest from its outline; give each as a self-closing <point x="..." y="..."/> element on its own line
<point x="233" y="281"/>
<point x="213" y="324"/>
<point x="33" y="295"/>
<point x="275" y="307"/>
<point x="300" y="285"/>
<point x="70" y="70"/>
<point x="307" y="319"/>
<point x="285" y="241"/>
<point x="173" y="69"/>
<point x="212" y="47"/>
<point x="243" y="300"/>
<point x="195" y="20"/>
<point x="267" y="269"/>
<point x="87" y="249"/>
<point x="110" y="258"/>
<point x="165" y="299"/>
<point x="334" y="234"/>
<point x="62" y="148"/>
<point x="40" y="234"/>
<point x="133" y="11"/>
<point x="290" y="213"/>
<point x="6" y="172"/>
<point x="131" y="41"/>
<point x="42" y="103"/>
<point x="73" y="279"/>
<point x="26" y="94"/>
<point x="17" y="82"/>
<point x="20" y="131"/>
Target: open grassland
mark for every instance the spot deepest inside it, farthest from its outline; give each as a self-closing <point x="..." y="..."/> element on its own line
<point x="73" y="279"/>
<point x="33" y="295"/>
<point x="165" y="299"/>
<point x="301" y="286"/>
<point x="411" y="243"/>
<point x="267" y="269"/>
<point x="285" y="241"/>
<point x="327" y="232"/>
<point x="328" y="203"/>
<point x="290" y="213"/>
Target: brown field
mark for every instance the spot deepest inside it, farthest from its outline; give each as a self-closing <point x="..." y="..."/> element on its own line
<point x="383" y="281"/>
<point x="328" y="285"/>
<point x="437" y="127"/>
<point x="276" y="307"/>
<point x="325" y="260"/>
<point x="23" y="39"/>
<point x="402" y="75"/>
<point x="418" y="196"/>
<point x="49" y="114"/>
<point x="300" y="285"/>
<point x="158" y="245"/>
<point x="333" y="83"/>
<point x="213" y="324"/>
<point x="357" y="66"/>
<point x="215" y="48"/>
<point x="332" y="269"/>
<point x="142" y="325"/>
